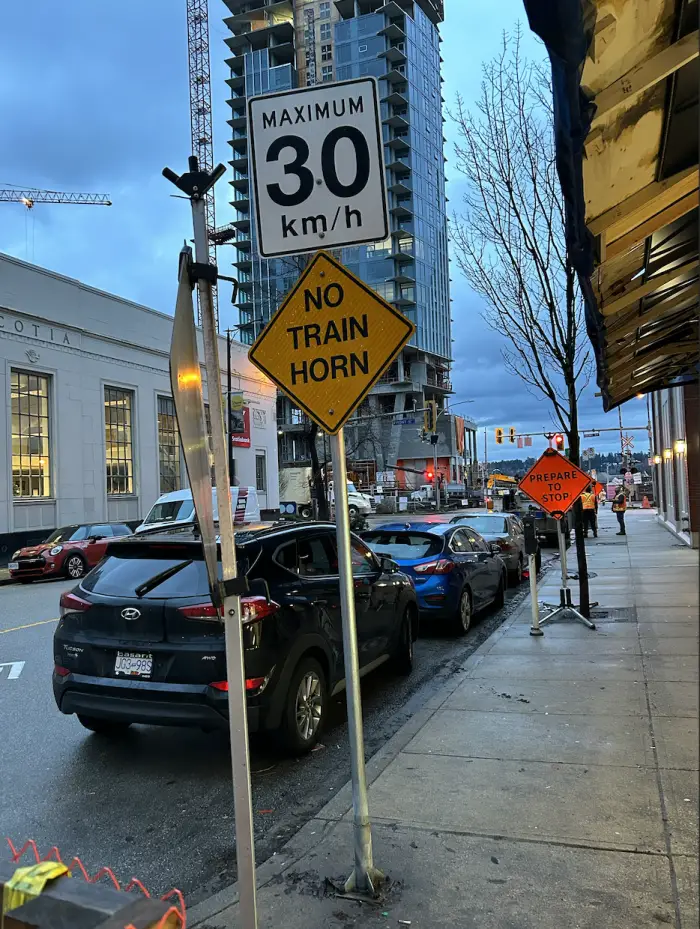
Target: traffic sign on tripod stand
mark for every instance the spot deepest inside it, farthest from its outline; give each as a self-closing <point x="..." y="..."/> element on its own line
<point x="555" y="484"/>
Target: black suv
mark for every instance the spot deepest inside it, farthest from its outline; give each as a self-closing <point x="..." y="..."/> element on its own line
<point x="139" y="640"/>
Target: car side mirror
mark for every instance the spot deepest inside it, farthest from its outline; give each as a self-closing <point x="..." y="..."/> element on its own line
<point x="388" y="565"/>
<point x="94" y="538"/>
<point x="495" y="549"/>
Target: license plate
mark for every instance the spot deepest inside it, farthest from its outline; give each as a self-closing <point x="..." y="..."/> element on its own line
<point x="134" y="664"/>
<point x="13" y="566"/>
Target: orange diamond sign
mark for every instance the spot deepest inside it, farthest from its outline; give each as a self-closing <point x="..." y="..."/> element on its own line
<point x="329" y="342"/>
<point x="554" y="483"/>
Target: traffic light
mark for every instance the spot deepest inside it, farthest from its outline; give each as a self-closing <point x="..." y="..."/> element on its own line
<point x="429" y="475"/>
<point x="499" y="436"/>
<point x="511" y="435"/>
<point x="430" y="417"/>
<point x="558" y="441"/>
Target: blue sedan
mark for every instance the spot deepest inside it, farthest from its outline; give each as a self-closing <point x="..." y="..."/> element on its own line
<point x="455" y="572"/>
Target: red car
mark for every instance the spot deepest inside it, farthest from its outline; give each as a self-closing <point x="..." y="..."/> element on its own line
<point x="68" y="552"/>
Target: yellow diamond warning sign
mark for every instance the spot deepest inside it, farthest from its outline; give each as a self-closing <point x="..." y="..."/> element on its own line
<point x="329" y="342"/>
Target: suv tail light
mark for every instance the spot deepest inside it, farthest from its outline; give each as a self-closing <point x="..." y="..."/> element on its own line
<point x="443" y="566"/>
<point x="253" y="609"/>
<point x="69" y="603"/>
<point x="202" y="611"/>
<point x="251" y="683"/>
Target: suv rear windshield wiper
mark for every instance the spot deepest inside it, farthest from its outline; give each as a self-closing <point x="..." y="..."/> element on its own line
<point x="157" y="579"/>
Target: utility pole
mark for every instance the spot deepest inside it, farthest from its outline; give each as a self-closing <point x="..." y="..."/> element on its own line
<point x="229" y="433"/>
<point x="226" y="593"/>
<point x="486" y="459"/>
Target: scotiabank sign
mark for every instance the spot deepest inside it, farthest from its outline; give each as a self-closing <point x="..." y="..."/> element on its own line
<point x="240" y="438"/>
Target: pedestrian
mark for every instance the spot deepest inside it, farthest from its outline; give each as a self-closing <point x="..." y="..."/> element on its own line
<point x="619" y="506"/>
<point x="588" y="500"/>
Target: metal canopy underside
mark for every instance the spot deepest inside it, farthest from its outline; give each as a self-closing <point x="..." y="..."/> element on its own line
<point x="632" y="198"/>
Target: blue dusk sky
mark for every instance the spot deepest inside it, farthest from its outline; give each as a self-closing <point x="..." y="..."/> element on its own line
<point x="94" y="97"/>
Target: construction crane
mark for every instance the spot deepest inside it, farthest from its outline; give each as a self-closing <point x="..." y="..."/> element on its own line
<point x="201" y="120"/>
<point x="33" y="195"/>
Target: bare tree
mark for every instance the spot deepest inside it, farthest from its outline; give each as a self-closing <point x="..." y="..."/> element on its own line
<point x="510" y="243"/>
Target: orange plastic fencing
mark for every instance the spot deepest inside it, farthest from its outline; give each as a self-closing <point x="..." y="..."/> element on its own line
<point x="75" y="864"/>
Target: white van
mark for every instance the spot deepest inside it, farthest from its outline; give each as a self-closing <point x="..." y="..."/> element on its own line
<point x="177" y="508"/>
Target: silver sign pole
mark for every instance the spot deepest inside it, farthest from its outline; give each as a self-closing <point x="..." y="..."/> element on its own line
<point x="364" y="877"/>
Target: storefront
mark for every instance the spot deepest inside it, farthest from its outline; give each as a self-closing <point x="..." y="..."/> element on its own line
<point x="88" y="417"/>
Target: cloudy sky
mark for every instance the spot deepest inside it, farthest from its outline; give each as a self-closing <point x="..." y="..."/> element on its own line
<point x="94" y="97"/>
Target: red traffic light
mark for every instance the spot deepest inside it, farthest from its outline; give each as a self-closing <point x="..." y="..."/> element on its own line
<point x="559" y="442"/>
<point x="429" y="475"/>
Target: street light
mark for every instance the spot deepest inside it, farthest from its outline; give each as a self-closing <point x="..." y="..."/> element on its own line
<point x="657" y="459"/>
<point x="680" y="446"/>
<point x="668" y="454"/>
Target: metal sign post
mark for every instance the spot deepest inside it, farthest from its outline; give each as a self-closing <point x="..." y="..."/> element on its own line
<point x="319" y="179"/>
<point x="225" y="593"/>
<point x="365" y="876"/>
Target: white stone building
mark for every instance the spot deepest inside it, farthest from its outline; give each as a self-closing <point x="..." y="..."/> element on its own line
<point x="87" y="428"/>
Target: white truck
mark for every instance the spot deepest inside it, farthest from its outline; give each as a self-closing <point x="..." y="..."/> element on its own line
<point x="177" y="509"/>
<point x="295" y="494"/>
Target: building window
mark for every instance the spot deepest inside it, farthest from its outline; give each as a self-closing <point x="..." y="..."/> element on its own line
<point x="168" y="446"/>
<point x="324" y="9"/>
<point x="327" y="52"/>
<point x="327" y="73"/>
<point x="260" y="471"/>
<point x="31" y="454"/>
<point x="325" y="32"/>
<point x="119" y="449"/>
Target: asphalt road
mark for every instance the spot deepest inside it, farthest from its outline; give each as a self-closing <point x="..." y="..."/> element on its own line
<point x="157" y="803"/>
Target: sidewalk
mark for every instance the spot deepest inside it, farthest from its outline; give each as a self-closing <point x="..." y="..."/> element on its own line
<point x="554" y="785"/>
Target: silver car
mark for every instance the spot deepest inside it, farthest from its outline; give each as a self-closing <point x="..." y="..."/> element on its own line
<point x="505" y="530"/>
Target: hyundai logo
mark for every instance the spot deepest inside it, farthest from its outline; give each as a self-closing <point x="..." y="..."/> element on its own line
<point x="131" y="613"/>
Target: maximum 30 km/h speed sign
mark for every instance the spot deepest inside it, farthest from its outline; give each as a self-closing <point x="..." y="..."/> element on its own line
<point x="318" y="168"/>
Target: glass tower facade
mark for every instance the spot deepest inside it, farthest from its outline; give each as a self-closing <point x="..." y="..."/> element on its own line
<point x="278" y="46"/>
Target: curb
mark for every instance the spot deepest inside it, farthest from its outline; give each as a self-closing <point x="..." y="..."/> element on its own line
<point x="333" y="812"/>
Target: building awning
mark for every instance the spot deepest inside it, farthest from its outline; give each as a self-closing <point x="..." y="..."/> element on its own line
<point x="625" y="80"/>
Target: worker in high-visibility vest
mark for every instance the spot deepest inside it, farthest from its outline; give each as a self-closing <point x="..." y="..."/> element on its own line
<point x="590" y="503"/>
<point x="619" y="506"/>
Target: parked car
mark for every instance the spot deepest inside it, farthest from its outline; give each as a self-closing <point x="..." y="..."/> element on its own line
<point x="456" y="573"/>
<point x="506" y="530"/>
<point x="67" y="552"/>
<point x="139" y="640"/>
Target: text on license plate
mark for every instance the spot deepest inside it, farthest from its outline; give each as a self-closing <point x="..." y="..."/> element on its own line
<point x="13" y="565"/>
<point x="135" y="664"/>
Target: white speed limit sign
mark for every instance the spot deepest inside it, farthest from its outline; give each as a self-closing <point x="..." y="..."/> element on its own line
<point x="318" y="170"/>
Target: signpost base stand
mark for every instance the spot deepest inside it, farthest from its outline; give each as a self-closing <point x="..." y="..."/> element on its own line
<point x="373" y="879"/>
<point x="565" y="607"/>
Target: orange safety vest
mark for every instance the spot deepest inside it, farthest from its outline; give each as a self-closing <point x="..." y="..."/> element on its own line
<point x="588" y="501"/>
<point x="619" y="505"/>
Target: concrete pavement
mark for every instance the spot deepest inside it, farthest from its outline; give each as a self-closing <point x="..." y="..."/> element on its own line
<point x="554" y="782"/>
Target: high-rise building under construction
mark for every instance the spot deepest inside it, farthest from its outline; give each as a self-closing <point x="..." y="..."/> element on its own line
<point x="296" y="43"/>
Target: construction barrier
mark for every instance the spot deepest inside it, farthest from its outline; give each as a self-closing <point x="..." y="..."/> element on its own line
<point x="44" y="893"/>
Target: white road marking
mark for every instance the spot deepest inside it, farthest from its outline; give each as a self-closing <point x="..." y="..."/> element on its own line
<point x="15" y="667"/>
